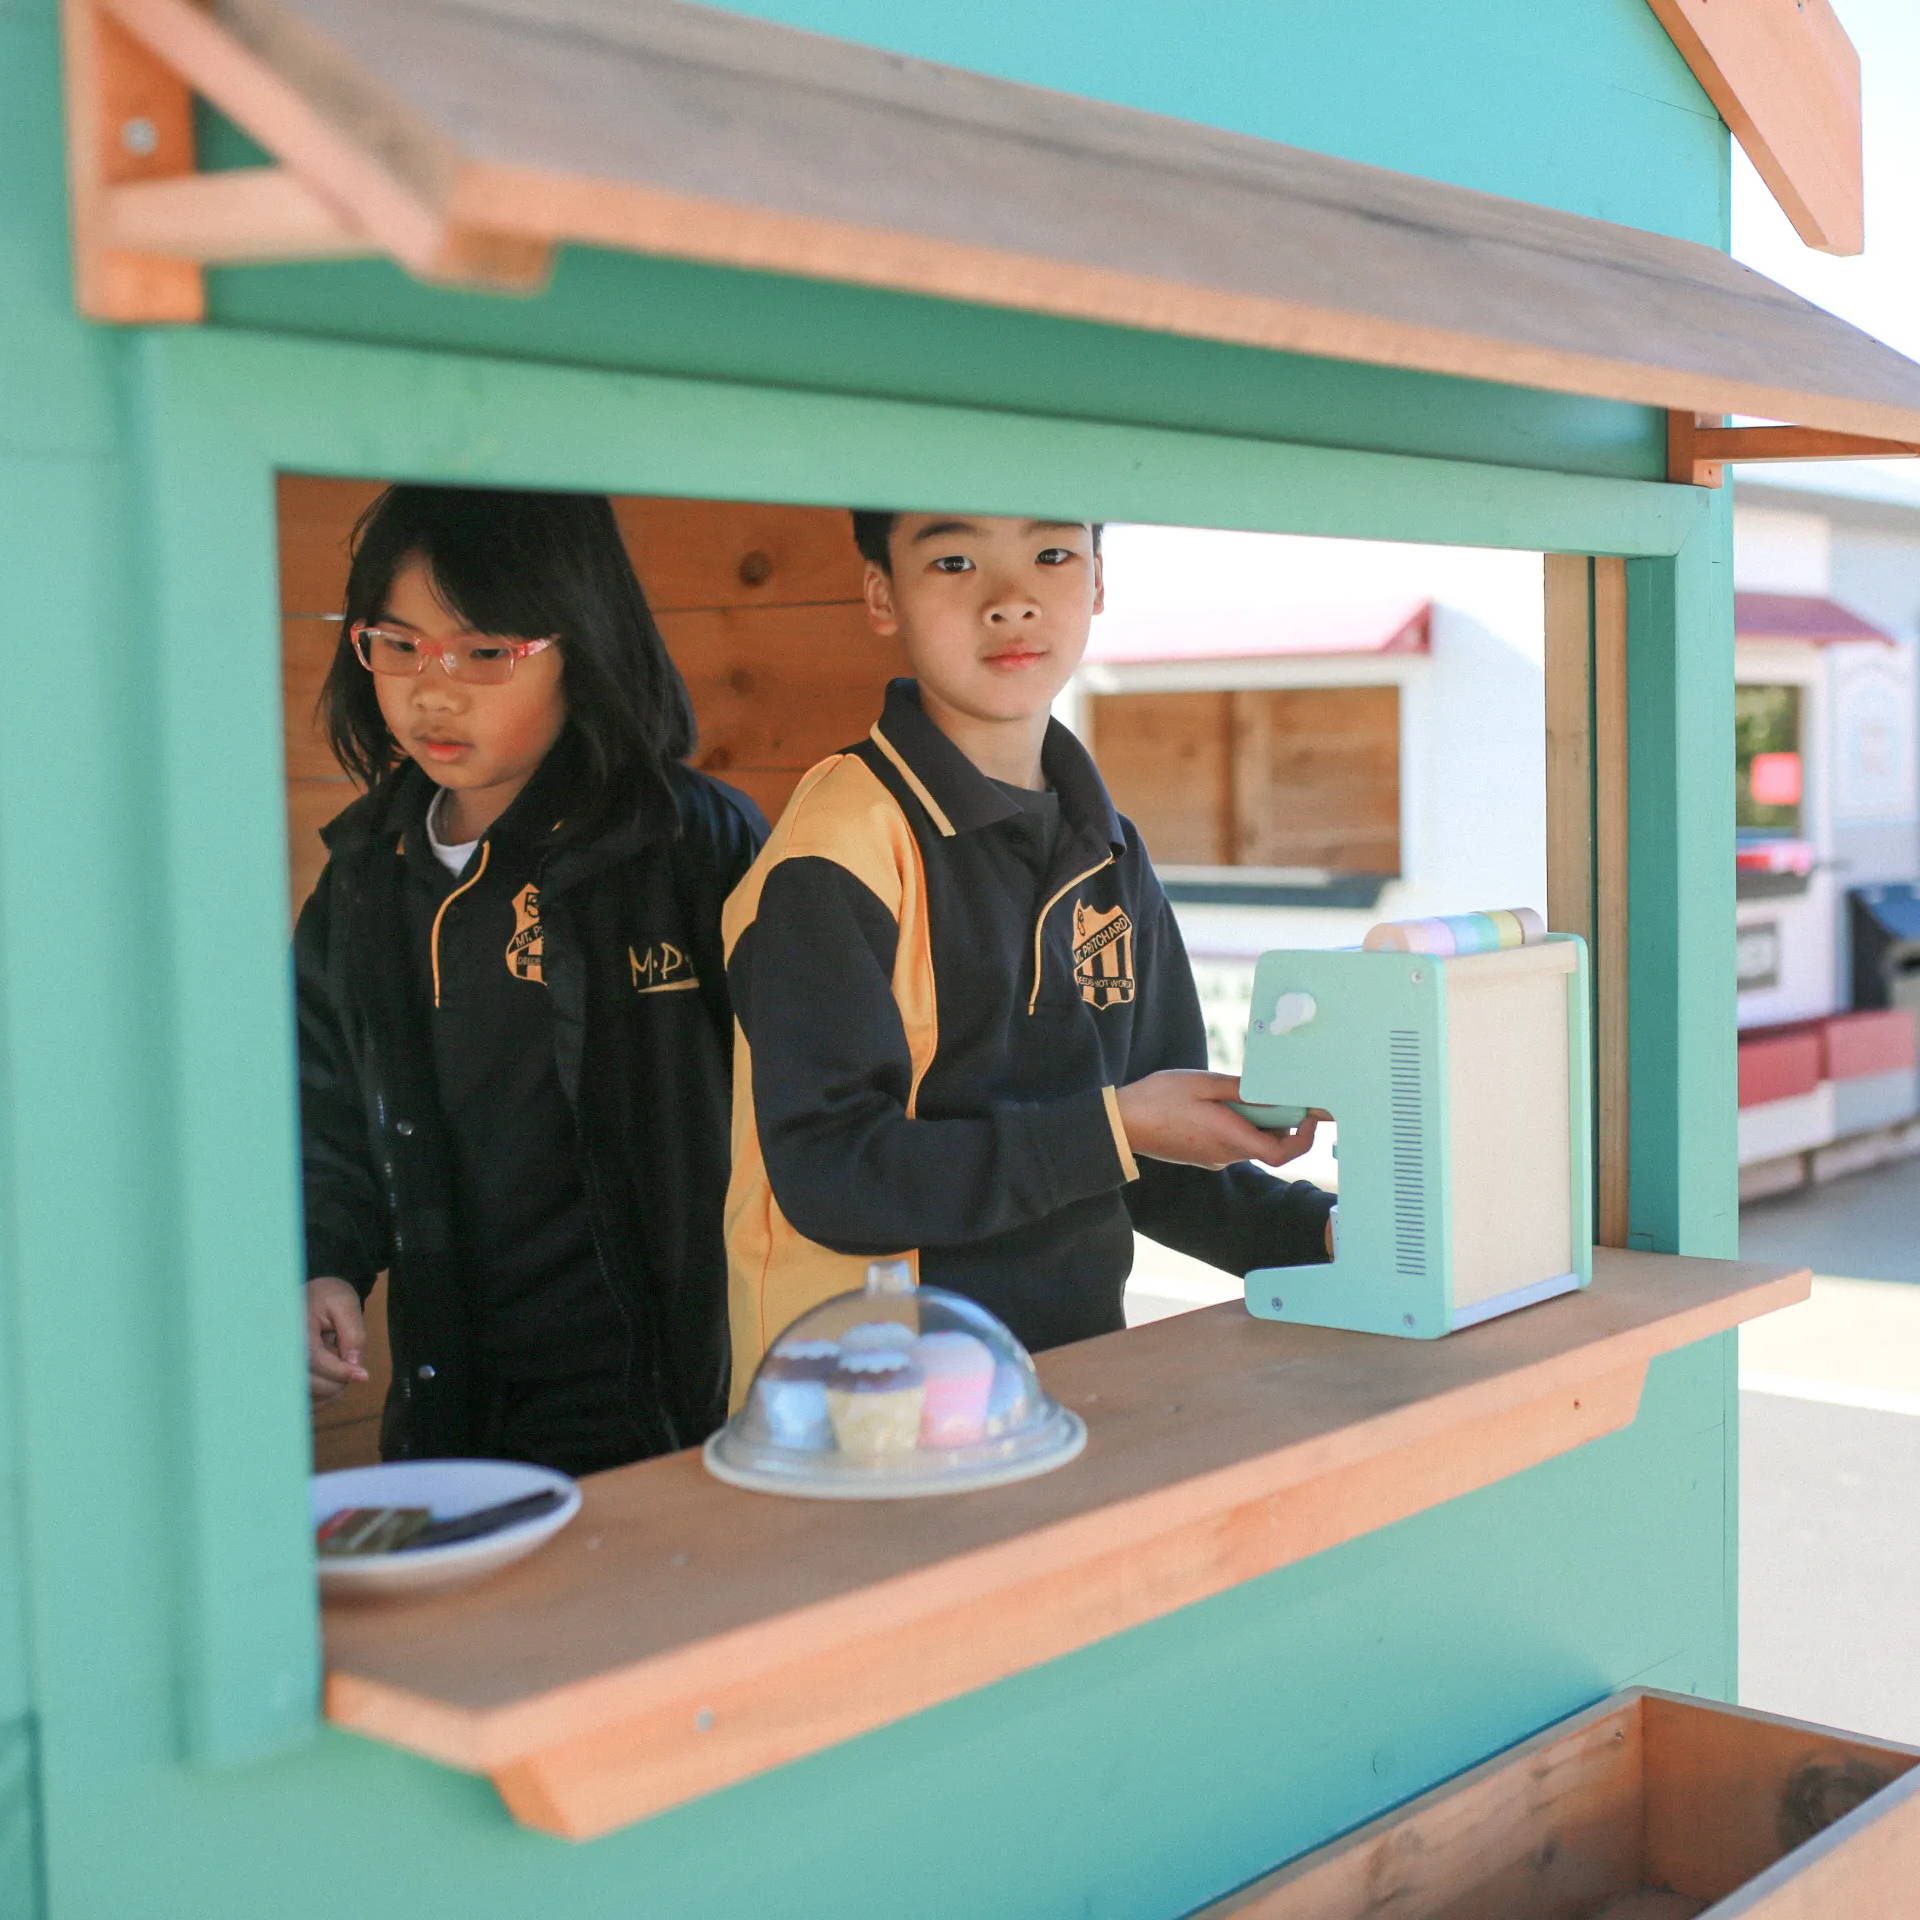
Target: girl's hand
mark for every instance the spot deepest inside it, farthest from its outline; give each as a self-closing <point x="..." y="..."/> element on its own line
<point x="1182" y="1115"/>
<point x="336" y="1339"/>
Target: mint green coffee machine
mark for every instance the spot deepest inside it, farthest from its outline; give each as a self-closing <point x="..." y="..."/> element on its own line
<point x="1461" y="1087"/>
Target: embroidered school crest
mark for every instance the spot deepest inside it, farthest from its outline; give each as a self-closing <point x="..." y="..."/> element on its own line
<point x="527" y="950"/>
<point x="1102" y="955"/>
<point x="663" y="968"/>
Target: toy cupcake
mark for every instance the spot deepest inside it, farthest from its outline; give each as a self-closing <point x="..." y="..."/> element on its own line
<point x="874" y="1400"/>
<point x="791" y="1392"/>
<point x="959" y="1372"/>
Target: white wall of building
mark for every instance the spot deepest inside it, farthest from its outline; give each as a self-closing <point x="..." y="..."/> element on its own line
<point x="1780" y="550"/>
<point x="1473" y="713"/>
<point x="1862" y="726"/>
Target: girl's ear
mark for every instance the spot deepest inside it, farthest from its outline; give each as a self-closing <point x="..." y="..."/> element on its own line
<point x="1099" y="583"/>
<point x="881" y="613"/>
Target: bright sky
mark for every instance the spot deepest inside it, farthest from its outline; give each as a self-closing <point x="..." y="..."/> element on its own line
<point x="1880" y="289"/>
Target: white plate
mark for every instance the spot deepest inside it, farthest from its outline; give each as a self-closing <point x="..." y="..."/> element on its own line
<point x="449" y="1488"/>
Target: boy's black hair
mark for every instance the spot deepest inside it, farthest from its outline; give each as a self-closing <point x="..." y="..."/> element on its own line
<point x="522" y="565"/>
<point x="872" y="531"/>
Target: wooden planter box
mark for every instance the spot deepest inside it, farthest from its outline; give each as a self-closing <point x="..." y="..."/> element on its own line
<point x="1649" y="1806"/>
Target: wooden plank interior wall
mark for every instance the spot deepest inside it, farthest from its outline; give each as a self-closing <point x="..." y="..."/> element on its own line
<point x="761" y="610"/>
<point x="1272" y="777"/>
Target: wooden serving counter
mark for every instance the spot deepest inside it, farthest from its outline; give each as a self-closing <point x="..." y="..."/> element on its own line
<point x="682" y="1635"/>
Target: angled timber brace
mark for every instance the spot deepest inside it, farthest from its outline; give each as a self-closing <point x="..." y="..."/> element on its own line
<point x="1700" y="444"/>
<point x="146" y="221"/>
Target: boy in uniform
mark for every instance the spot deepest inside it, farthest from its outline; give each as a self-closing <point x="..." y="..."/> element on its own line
<point x="968" y="1028"/>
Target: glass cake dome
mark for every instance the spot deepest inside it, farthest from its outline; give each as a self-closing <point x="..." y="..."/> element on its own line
<point x="889" y="1392"/>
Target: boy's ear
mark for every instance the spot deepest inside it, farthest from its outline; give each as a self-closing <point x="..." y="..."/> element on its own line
<point x="881" y="614"/>
<point x="1099" y="583"/>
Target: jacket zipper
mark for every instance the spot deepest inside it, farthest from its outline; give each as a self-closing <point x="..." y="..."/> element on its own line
<point x="433" y="944"/>
<point x="1040" y="925"/>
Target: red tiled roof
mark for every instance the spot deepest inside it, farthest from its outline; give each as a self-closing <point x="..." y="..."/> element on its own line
<point x="1800" y="616"/>
<point x="1359" y="627"/>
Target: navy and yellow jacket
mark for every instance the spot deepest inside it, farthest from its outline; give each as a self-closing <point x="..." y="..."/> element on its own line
<point x="629" y="955"/>
<point x="934" y="1017"/>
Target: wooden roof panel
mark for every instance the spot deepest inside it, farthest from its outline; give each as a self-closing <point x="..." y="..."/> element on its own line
<point x="678" y="130"/>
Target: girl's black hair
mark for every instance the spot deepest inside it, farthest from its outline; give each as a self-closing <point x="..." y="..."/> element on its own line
<point x="522" y="565"/>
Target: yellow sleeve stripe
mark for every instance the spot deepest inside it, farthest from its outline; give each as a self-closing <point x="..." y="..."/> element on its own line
<point x="914" y="781"/>
<point x="1128" y="1164"/>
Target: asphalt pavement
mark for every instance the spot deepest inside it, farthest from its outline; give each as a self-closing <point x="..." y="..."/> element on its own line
<point x="1830" y="1460"/>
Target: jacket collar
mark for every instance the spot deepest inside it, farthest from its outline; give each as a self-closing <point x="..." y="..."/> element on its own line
<point x="394" y="813"/>
<point x="959" y="798"/>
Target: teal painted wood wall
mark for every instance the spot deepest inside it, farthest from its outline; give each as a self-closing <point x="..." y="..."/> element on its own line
<point x="157" y="1750"/>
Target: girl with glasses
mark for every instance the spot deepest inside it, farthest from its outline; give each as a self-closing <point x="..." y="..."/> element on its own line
<point x="513" y="1021"/>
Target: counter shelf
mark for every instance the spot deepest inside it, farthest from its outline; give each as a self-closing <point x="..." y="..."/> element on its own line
<point x="683" y="1635"/>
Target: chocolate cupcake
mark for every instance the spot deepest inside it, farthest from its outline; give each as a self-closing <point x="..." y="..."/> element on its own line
<point x="874" y="1400"/>
<point x="791" y="1393"/>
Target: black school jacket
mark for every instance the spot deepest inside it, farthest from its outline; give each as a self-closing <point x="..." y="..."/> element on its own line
<point x="934" y="1020"/>
<point x="642" y="1037"/>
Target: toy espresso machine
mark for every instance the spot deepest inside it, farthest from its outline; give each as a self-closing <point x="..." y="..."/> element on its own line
<point x="1454" y="1056"/>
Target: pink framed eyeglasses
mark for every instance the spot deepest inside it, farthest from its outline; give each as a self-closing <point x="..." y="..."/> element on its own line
<point x="478" y="659"/>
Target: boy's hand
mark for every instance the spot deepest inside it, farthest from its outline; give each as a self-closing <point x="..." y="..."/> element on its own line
<point x="1182" y="1115"/>
<point x="336" y="1339"/>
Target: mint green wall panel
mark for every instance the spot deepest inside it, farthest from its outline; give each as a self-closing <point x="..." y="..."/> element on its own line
<point x="1129" y="1782"/>
<point x="1680" y="908"/>
<point x="1135" y="1779"/>
<point x="1680" y="911"/>
<point x="158" y="1753"/>
<point x="613" y="310"/>
<point x="20" y="1885"/>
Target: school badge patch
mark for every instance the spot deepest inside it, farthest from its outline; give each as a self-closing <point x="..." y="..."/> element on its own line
<point x="527" y="950"/>
<point x="1103" y="955"/>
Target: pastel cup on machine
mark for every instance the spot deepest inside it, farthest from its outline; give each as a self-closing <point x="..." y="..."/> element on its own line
<point x="1497" y="930"/>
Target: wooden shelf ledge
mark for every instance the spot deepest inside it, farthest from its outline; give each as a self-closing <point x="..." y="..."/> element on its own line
<point x="682" y="1635"/>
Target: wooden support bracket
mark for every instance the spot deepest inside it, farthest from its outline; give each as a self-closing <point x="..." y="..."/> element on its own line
<point x="146" y="221"/>
<point x="129" y="124"/>
<point x="1700" y="444"/>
